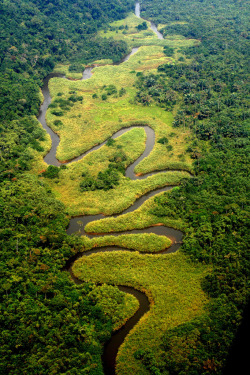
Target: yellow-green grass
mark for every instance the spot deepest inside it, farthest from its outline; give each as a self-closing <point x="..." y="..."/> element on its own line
<point x="138" y="219"/>
<point x="131" y="143"/>
<point x="160" y="157"/>
<point x="91" y="122"/>
<point x="172" y="284"/>
<point x="144" y="242"/>
<point x="95" y="119"/>
<point x="131" y="35"/>
<point x="117" y="305"/>
<point x="41" y="97"/>
<point x="101" y="62"/>
<point x="112" y="201"/>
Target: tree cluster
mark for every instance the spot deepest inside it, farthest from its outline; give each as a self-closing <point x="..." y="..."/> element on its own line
<point x="109" y="178"/>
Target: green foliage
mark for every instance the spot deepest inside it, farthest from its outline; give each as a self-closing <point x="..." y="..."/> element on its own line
<point x="110" y="177"/>
<point x="19" y="96"/>
<point x="44" y="316"/>
<point x="111" y="90"/>
<point x="51" y="172"/>
<point x="163" y="140"/>
<point x="58" y="122"/>
<point x="105" y="180"/>
<point x="76" y="68"/>
<point x="115" y="304"/>
<point x="49" y="325"/>
<point x="168" y="51"/>
<point x="142" y="26"/>
<point x="155" y="89"/>
<point x="110" y="142"/>
<point x="122" y="91"/>
<point x="32" y="37"/>
<point x="17" y="142"/>
<point x="57" y="113"/>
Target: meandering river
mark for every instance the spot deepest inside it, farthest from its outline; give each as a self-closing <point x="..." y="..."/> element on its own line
<point x="111" y="348"/>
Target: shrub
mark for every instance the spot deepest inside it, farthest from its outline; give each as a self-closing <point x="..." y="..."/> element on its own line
<point x="76" y="68"/>
<point x="163" y="141"/>
<point x="51" y="172"/>
<point x="110" y="142"/>
<point x="57" y="113"/>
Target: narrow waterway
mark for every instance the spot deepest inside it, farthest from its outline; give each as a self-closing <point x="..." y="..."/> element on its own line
<point x="78" y="224"/>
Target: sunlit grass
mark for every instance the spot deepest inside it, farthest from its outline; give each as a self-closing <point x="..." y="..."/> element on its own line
<point x="91" y="122"/>
<point x="172" y="284"/>
<point x="135" y="38"/>
<point x="137" y="219"/>
<point x="144" y="242"/>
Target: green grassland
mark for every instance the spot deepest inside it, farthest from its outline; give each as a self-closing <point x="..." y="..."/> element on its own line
<point x="132" y="143"/>
<point x="94" y="120"/>
<point x="138" y="219"/>
<point x="172" y="284"/>
<point x="127" y="30"/>
<point x="145" y="242"/>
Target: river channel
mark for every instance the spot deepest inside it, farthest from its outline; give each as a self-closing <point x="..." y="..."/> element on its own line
<point x="77" y="224"/>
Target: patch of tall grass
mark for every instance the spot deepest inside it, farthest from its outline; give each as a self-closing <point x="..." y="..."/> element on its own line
<point x="143" y="242"/>
<point x="172" y="284"/>
<point x="137" y="219"/>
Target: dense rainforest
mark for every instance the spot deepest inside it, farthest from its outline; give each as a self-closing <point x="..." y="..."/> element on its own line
<point x="50" y="325"/>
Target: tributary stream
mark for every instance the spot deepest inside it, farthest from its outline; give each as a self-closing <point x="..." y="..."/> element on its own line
<point x="77" y="224"/>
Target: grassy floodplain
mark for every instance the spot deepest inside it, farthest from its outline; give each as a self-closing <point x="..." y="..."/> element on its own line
<point x="170" y="281"/>
<point x="146" y="242"/>
<point x="138" y="219"/>
<point x="145" y="37"/>
<point x="93" y="120"/>
<point x="67" y="189"/>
